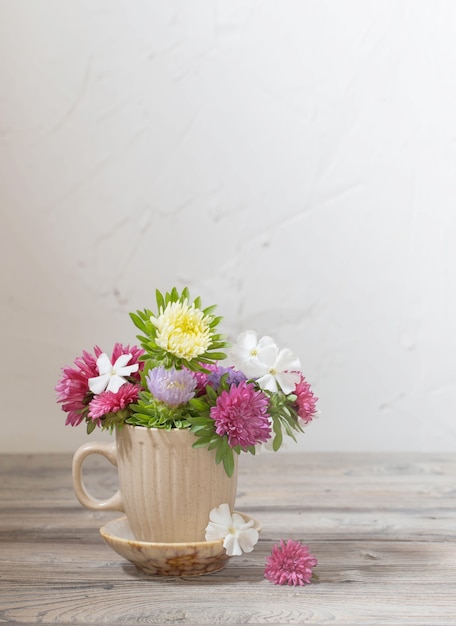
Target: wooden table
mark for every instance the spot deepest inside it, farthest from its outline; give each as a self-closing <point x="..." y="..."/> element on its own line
<point x="382" y="526"/>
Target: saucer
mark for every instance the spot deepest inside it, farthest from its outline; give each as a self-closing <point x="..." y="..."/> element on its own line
<point x="167" y="559"/>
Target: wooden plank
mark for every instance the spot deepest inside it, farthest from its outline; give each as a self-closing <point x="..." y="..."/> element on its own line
<point x="382" y="526"/>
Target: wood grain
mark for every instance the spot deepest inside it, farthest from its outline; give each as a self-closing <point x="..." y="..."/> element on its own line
<point x="383" y="528"/>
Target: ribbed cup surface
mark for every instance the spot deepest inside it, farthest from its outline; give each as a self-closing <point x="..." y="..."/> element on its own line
<point x="168" y="488"/>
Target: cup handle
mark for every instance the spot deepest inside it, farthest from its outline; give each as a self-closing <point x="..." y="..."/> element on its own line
<point x="108" y="450"/>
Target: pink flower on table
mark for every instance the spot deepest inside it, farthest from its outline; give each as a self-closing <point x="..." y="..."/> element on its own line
<point x="110" y="402"/>
<point x="290" y="563"/>
<point x="306" y="402"/>
<point x="242" y="414"/>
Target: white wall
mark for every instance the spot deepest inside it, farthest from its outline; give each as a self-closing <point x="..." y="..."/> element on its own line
<point x="293" y="161"/>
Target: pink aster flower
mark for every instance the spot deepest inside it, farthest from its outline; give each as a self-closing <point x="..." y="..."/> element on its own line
<point x="242" y="414"/>
<point x="305" y="400"/>
<point x="110" y="402"/>
<point x="290" y="563"/>
<point x="73" y="387"/>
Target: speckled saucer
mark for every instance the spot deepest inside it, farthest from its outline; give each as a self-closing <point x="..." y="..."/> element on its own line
<point x="167" y="559"/>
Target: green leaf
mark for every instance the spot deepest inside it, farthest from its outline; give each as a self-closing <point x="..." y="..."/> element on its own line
<point x="219" y="453"/>
<point x="204" y="441"/>
<point x="199" y="405"/>
<point x="217" y="356"/>
<point x="137" y="321"/>
<point x="277" y="441"/>
<point x="160" y="300"/>
<point x="211" y="394"/>
<point x="91" y="426"/>
<point x="215" y="320"/>
<point x="209" y="310"/>
<point x="228" y="462"/>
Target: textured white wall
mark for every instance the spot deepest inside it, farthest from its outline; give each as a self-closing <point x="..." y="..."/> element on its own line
<point x="293" y="161"/>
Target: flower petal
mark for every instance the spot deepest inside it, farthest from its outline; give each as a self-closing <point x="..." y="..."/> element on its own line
<point x="239" y="523"/>
<point x="104" y="364"/>
<point x="98" y="384"/>
<point x="287" y="381"/>
<point x="265" y="342"/>
<point x="253" y="367"/>
<point x="115" y="383"/>
<point x="121" y="361"/>
<point x="221" y="515"/>
<point x="231" y="545"/>
<point x="126" y="370"/>
<point x="247" y="340"/>
<point x="267" y="354"/>
<point x="287" y="361"/>
<point x="215" y="531"/>
<point x="268" y="382"/>
<point x="248" y="539"/>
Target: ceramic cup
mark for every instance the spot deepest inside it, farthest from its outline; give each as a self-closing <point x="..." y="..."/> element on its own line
<point x="166" y="488"/>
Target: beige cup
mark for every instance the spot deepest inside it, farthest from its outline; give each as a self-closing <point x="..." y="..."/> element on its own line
<point x="166" y="488"/>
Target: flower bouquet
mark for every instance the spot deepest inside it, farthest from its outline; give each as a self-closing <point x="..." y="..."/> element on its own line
<point x="181" y="418"/>
<point x="174" y="380"/>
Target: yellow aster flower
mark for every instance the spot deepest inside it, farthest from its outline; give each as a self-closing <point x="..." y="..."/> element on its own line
<point x="183" y="330"/>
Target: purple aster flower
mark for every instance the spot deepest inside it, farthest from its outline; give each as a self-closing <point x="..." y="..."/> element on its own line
<point x="241" y="414"/>
<point x="201" y="377"/>
<point x="235" y="377"/>
<point x="171" y="386"/>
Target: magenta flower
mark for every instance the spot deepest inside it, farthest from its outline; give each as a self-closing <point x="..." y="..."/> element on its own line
<point x="305" y="400"/>
<point x="73" y="386"/>
<point x="290" y="563"/>
<point x="242" y="414"/>
<point x="110" y="402"/>
<point x="171" y="386"/>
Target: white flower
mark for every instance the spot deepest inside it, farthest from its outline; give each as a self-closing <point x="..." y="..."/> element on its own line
<point x="281" y="368"/>
<point x="245" y="353"/>
<point x="239" y="536"/>
<point x="262" y="360"/>
<point x="111" y="377"/>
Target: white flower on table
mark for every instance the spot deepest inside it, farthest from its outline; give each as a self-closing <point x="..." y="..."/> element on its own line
<point x="111" y="376"/>
<point x="238" y="535"/>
